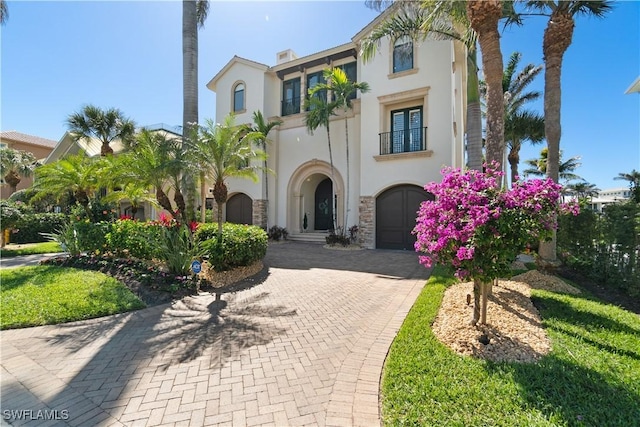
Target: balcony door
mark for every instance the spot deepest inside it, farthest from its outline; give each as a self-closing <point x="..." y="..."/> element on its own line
<point x="406" y="130"/>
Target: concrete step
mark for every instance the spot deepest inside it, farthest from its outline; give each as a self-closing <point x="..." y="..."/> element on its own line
<point x="314" y="237"/>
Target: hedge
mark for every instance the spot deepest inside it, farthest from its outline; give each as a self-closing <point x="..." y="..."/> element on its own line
<point x="240" y="245"/>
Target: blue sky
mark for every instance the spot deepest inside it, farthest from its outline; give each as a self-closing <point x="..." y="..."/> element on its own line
<point x="58" y="56"/>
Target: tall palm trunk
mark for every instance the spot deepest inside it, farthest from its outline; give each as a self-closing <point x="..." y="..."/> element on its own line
<point x="346" y="195"/>
<point x="557" y="39"/>
<point x="203" y="197"/>
<point x="474" y="115"/>
<point x="190" y="88"/>
<point x="484" y="17"/>
<point x="333" y="182"/>
<point x="514" y="160"/>
<point x="13" y="179"/>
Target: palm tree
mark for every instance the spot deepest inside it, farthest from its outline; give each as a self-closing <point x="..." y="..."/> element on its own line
<point x="519" y="124"/>
<point x="319" y="111"/>
<point x="633" y="178"/>
<point x="556" y="40"/>
<point x="483" y="18"/>
<point x="228" y="150"/>
<point x="15" y="164"/>
<point x="4" y="12"/>
<point x="78" y="174"/>
<point x="443" y="20"/>
<point x="342" y="89"/>
<point x="539" y="167"/>
<point x="263" y="128"/>
<point x="582" y="190"/>
<point x="194" y="14"/>
<point x="154" y="160"/>
<point x="106" y="126"/>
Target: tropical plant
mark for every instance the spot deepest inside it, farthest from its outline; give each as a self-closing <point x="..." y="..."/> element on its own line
<point x="78" y="174"/>
<point x="520" y="125"/>
<point x="539" y="167"/>
<point x="263" y="127"/>
<point x="557" y="38"/>
<point x="104" y="125"/>
<point x="155" y="160"/>
<point x="15" y="164"/>
<point x="442" y="20"/>
<point x="479" y="229"/>
<point x="318" y="113"/>
<point x="582" y="190"/>
<point x="194" y="14"/>
<point x="228" y="152"/>
<point x="4" y="12"/>
<point x="633" y="178"/>
<point x="342" y="89"/>
<point x="483" y="18"/>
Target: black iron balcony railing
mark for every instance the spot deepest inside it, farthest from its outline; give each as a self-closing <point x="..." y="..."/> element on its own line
<point x="403" y="141"/>
<point x="291" y="106"/>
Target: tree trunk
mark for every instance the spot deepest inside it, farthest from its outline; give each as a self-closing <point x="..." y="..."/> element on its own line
<point x="203" y="197"/>
<point x="13" y="179"/>
<point x="557" y="39"/>
<point x="333" y="182"/>
<point x="514" y="160"/>
<point x="474" y="116"/>
<point x="477" y="292"/>
<point x="484" y="17"/>
<point x="106" y="150"/>
<point x="190" y="91"/>
<point x="163" y="200"/>
<point x="346" y="194"/>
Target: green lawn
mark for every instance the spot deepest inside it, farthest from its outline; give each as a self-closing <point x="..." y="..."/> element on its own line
<point x="42" y="295"/>
<point x="12" y="250"/>
<point x="590" y="378"/>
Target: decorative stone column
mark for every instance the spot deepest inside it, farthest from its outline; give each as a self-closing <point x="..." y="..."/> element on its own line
<point x="260" y="212"/>
<point x="366" y="229"/>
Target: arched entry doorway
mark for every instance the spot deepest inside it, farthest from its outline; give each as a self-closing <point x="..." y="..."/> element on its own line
<point x="309" y="193"/>
<point x="396" y="212"/>
<point x="240" y="209"/>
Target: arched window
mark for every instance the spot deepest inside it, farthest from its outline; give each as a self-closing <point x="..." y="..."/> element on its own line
<point x="238" y="97"/>
<point x="402" y="54"/>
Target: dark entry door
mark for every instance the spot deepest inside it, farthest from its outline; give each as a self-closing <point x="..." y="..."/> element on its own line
<point x="240" y="209"/>
<point x="323" y="205"/>
<point x="396" y="212"/>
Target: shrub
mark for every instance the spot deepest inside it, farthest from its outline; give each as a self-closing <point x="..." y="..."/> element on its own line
<point x="240" y="245"/>
<point x="135" y="238"/>
<point x="91" y="235"/>
<point x="30" y="227"/>
<point x="276" y="233"/>
<point x="177" y="248"/>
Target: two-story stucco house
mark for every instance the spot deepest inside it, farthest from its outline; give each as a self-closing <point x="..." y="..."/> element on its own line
<point x="401" y="133"/>
<point x="39" y="147"/>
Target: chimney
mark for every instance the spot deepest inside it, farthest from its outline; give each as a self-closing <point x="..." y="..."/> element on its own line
<point x="285" y="56"/>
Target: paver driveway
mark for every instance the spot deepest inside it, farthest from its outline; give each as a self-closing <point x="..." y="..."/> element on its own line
<point x="302" y="344"/>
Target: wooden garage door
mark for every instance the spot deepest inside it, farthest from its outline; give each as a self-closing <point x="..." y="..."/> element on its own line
<point x="396" y="211"/>
<point x="240" y="209"/>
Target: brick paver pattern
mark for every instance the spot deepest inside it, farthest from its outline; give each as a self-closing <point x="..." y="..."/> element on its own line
<point x="301" y="344"/>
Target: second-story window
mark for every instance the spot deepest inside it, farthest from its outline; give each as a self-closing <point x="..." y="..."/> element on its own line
<point x="291" y="97"/>
<point x="238" y="97"/>
<point x="315" y="79"/>
<point x="402" y="54"/>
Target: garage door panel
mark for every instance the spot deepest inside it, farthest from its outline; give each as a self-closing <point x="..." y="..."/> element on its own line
<point x="396" y="212"/>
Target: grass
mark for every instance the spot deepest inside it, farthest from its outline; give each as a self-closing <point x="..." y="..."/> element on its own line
<point x="43" y="295"/>
<point x="12" y="250"/>
<point x="590" y="378"/>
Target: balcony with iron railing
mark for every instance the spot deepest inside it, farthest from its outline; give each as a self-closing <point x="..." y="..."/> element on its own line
<point x="403" y="141"/>
<point x="290" y="106"/>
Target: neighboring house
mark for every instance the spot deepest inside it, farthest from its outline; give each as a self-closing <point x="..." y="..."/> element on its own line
<point x="401" y="133"/>
<point x="606" y="197"/>
<point x="39" y="147"/>
<point x="68" y="145"/>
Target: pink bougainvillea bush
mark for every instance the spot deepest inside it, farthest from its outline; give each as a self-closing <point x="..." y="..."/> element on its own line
<point x="478" y="228"/>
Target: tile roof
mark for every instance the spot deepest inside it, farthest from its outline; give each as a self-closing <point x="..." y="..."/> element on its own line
<point x="29" y="139"/>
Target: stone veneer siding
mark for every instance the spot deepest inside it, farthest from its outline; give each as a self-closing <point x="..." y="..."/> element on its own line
<point x="260" y="212"/>
<point x="366" y="230"/>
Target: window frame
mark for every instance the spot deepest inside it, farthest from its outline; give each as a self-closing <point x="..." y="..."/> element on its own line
<point x="234" y="98"/>
<point x="408" y="146"/>
<point x="291" y="82"/>
<point x="399" y="43"/>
